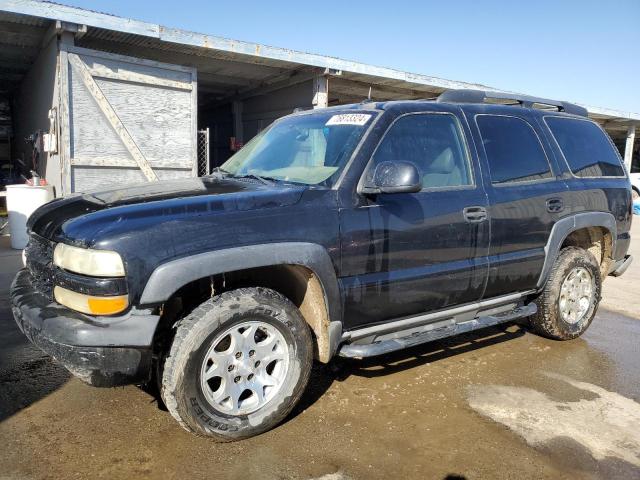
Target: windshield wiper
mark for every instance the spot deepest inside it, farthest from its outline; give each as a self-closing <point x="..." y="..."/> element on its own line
<point x="218" y="173"/>
<point x="264" y="180"/>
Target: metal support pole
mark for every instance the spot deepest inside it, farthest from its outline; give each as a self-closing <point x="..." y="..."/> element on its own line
<point x="216" y="160"/>
<point x="207" y="146"/>
<point x="321" y="91"/>
<point x="628" y="148"/>
<point x="237" y="120"/>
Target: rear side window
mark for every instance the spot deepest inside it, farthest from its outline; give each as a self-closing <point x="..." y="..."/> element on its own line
<point x="586" y="148"/>
<point x="513" y="149"/>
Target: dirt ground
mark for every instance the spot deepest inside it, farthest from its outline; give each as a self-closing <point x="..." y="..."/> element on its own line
<point x="502" y="403"/>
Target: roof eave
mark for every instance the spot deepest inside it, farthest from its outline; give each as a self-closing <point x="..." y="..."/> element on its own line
<point x="54" y="11"/>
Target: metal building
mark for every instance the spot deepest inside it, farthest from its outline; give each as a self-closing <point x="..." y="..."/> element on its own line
<point x="99" y="100"/>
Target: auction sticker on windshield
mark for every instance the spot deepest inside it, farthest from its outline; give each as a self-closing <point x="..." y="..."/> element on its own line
<point x="348" y="119"/>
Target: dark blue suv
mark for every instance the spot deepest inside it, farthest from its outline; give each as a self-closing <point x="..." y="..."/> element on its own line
<point x="353" y="231"/>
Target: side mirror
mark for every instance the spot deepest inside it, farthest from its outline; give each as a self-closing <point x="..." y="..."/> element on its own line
<point x="394" y="177"/>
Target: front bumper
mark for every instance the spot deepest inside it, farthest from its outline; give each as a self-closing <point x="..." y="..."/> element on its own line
<point x="102" y="351"/>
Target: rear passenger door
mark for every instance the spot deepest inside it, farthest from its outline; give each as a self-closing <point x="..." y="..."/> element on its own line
<point x="525" y="198"/>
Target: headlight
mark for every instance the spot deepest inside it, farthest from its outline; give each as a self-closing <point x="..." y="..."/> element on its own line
<point x="96" y="263"/>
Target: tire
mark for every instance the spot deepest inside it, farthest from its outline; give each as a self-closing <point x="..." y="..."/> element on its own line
<point x="225" y="338"/>
<point x="635" y="194"/>
<point x="573" y="265"/>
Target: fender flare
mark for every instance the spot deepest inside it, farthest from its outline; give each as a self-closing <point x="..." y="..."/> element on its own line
<point x="169" y="277"/>
<point x="565" y="226"/>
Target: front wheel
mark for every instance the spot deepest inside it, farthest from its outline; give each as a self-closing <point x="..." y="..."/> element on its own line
<point x="238" y="364"/>
<point x="570" y="297"/>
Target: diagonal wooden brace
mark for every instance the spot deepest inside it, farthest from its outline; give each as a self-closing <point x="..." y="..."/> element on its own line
<point x="81" y="69"/>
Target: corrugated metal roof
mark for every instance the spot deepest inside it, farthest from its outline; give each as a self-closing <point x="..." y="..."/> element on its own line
<point x="23" y="19"/>
<point x="107" y="27"/>
<point x="20" y="41"/>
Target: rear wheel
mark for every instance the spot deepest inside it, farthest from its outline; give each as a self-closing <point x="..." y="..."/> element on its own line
<point x="635" y="194"/>
<point x="238" y="364"/>
<point x="570" y="297"/>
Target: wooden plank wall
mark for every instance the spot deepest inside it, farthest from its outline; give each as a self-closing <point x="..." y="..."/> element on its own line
<point x="128" y="114"/>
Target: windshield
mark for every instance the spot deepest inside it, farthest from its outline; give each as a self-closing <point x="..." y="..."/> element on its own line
<point x="310" y="148"/>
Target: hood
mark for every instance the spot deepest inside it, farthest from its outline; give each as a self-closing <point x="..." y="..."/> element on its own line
<point x="79" y="218"/>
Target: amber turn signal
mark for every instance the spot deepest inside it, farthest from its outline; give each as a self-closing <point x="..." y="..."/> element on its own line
<point x="90" y="304"/>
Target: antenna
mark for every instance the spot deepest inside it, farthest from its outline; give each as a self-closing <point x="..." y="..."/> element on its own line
<point x="369" y="96"/>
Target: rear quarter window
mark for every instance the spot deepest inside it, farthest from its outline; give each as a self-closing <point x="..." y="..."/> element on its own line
<point x="586" y="148"/>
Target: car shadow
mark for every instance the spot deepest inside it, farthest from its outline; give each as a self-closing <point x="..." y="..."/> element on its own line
<point x="340" y="369"/>
<point x="27" y="374"/>
<point x="428" y="352"/>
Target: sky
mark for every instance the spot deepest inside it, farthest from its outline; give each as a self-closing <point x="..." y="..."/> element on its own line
<point x="584" y="51"/>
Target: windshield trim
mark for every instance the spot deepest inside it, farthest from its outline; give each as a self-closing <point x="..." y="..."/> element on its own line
<point x="378" y="115"/>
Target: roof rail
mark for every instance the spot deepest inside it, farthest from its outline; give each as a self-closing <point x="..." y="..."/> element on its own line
<point x="479" y="96"/>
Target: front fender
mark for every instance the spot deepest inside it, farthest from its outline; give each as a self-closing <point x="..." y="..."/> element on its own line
<point x="168" y="278"/>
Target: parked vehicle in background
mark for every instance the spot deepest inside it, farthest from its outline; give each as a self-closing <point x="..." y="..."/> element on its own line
<point x="354" y="231"/>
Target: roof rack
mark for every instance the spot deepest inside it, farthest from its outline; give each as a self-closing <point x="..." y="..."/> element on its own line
<point x="480" y="96"/>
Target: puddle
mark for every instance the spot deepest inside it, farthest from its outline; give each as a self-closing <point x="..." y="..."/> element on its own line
<point x="333" y="476"/>
<point x="604" y="423"/>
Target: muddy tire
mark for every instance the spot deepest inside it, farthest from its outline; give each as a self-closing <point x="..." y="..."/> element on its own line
<point x="570" y="297"/>
<point x="238" y="364"/>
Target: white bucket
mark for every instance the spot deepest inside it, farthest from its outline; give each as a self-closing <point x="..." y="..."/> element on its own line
<point x="22" y="201"/>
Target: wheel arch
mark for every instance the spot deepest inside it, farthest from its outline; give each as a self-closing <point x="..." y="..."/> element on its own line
<point x="304" y="270"/>
<point x="566" y="226"/>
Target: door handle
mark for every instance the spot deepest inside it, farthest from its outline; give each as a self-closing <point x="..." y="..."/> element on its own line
<point x="475" y="214"/>
<point x="555" y="205"/>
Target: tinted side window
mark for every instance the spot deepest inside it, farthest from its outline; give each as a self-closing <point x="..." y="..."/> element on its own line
<point x="433" y="143"/>
<point x="588" y="151"/>
<point x="513" y="149"/>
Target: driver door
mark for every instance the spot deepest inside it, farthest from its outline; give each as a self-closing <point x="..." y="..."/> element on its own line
<point x="405" y="254"/>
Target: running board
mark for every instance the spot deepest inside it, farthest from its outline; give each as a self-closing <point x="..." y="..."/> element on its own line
<point x="439" y="330"/>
